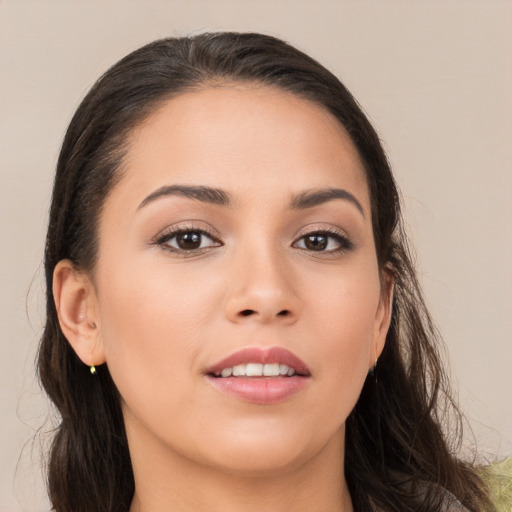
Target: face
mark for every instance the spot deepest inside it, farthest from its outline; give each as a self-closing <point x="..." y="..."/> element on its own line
<point x="238" y="297"/>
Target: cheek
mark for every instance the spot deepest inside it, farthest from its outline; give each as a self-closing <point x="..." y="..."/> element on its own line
<point x="345" y="316"/>
<point x="153" y="324"/>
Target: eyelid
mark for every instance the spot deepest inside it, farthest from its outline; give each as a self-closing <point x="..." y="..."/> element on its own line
<point x="188" y="225"/>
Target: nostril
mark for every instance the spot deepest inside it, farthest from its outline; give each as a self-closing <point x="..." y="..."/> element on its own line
<point x="249" y="312"/>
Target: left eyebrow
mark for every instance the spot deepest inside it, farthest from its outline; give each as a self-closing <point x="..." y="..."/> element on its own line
<point x="311" y="198"/>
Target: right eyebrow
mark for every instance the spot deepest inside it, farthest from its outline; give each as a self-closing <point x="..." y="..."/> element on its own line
<point x="205" y="194"/>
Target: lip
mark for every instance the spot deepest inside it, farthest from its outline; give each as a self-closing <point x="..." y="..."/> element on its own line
<point x="260" y="390"/>
<point x="263" y="356"/>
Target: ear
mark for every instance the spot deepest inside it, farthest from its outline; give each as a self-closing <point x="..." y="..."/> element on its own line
<point x="383" y="315"/>
<point x="78" y="312"/>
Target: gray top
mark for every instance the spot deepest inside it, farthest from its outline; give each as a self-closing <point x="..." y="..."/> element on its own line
<point x="452" y="504"/>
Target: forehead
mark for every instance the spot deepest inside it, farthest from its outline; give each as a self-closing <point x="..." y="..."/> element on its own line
<point x="242" y="136"/>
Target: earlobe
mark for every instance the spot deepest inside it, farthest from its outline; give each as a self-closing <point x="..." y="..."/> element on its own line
<point x="76" y="304"/>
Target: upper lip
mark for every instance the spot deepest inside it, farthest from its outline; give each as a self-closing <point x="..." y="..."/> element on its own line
<point x="263" y="356"/>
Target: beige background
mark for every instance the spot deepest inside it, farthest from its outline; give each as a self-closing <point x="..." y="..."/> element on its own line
<point x="434" y="76"/>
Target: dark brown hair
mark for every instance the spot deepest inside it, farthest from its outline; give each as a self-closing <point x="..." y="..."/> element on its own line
<point x="397" y="457"/>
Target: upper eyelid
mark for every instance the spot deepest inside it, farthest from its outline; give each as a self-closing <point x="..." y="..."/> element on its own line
<point x="332" y="230"/>
<point x="330" y="234"/>
<point x="172" y="233"/>
<point x="214" y="234"/>
<point x="187" y="226"/>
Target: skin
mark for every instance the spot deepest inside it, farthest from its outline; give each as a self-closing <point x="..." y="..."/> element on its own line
<point x="159" y="318"/>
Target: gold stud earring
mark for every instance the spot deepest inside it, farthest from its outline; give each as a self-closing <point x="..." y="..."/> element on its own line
<point x="92" y="369"/>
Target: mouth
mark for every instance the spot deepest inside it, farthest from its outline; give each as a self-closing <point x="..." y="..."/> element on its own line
<point x="260" y="376"/>
<point x="257" y="370"/>
<point x="260" y="362"/>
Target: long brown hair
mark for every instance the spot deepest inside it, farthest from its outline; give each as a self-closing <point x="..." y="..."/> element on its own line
<point x="397" y="457"/>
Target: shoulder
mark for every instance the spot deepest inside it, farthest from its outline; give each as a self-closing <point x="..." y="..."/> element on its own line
<point x="452" y="504"/>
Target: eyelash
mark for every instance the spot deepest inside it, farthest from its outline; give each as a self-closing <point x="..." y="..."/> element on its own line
<point x="344" y="244"/>
<point x="167" y="236"/>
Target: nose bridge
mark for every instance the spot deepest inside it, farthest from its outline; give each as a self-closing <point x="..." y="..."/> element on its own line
<point x="262" y="283"/>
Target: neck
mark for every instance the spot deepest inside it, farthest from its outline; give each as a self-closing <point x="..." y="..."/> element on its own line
<point x="166" y="481"/>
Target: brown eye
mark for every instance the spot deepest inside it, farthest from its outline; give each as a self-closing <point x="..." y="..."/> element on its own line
<point x="316" y="242"/>
<point x="324" y="241"/>
<point x="187" y="240"/>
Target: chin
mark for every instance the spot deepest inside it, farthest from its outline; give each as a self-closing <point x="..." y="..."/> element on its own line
<point x="252" y="463"/>
<point x="266" y="453"/>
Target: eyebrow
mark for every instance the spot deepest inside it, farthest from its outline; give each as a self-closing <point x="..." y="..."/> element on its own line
<point x="311" y="198"/>
<point x="204" y="194"/>
<point x="219" y="197"/>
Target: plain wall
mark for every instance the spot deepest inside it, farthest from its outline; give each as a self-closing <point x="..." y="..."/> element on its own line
<point x="435" y="77"/>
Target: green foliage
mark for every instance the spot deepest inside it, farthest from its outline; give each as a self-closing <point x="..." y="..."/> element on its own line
<point x="498" y="476"/>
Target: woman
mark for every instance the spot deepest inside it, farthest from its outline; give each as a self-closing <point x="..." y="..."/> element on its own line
<point x="233" y="319"/>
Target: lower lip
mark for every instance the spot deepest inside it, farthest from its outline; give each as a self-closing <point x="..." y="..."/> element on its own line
<point x="259" y="390"/>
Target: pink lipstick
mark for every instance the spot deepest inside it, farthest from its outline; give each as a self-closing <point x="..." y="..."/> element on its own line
<point x="260" y="376"/>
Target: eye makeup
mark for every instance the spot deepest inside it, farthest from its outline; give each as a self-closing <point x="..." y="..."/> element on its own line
<point x="188" y="240"/>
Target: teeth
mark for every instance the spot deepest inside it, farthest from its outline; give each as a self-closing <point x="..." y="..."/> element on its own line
<point x="283" y="369"/>
<point x="271" y="370"/>
<point x="239" y="370"/>
<point x="258" y="370"/>
<point x="227" y="372"/>
<point x="254" y="370"/>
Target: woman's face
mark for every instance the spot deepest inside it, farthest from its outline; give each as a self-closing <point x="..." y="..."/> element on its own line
<point x="239" y="239"/>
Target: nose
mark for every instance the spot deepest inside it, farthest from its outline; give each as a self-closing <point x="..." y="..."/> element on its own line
<point x="262" y="289"/>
